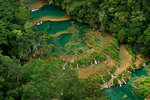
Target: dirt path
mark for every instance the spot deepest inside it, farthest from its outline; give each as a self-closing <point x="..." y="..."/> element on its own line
<point x="126" y="60"/>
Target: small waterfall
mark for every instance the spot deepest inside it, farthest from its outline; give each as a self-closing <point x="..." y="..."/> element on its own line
<point x="124" y="82"/>
<point x="95" y="61"/>
<point x="120" y="83"/>
<point x="129" y="72"/>
<point x="30" y="50"/>
<point x="103" y="81"/>
<point x="34" y="10"/>
<point x="35" y="47"/>
<point x="116" y="46"/>
<point x="64" y="65"/>
<point x="39" y="23"/>
<point x="91" y="63"/>
<point x="129" y="77"/>
<point x="62" y="93"/>
<point x="144" y="65"/>
<point x="106" y="86"/>
<point x="117" y="51"/>
<point x="110" y="74"/>
<point x="77" y="66"/>
<point x="107" y="58"/>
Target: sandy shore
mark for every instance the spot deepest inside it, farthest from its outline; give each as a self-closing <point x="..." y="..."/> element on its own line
<point x="49" y="19"/>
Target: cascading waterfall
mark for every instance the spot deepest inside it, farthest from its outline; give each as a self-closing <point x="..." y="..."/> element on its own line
<point x="62" y="93"/>
<point x="144" y="65"/>
<point x="39" y="23"/>
<point x="120" y="83"/>
<point x="34" y="10"/>
<point x="124" y="82"/>
<point x="64" y="65"/>
<point x="35" y="47"/>
<point x="106" y="86"/>
<point x="30" y="50"/>
<point x="77" y="66"/>
<point x="95" y="61"/>
<point x="110" y="74"/>
<point x="107" y="58"/>
<point x="116" y="46"/>
<point x="117" y="51"/>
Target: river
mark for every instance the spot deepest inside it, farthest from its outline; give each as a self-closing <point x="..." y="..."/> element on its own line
<point x="53" y="27"/>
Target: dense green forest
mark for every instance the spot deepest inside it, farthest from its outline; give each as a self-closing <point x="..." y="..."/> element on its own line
<point x="37" y="79"/>
<point x="127" y="20"/>
<point x="16" y="34"/>
<point x="143" y="88"/>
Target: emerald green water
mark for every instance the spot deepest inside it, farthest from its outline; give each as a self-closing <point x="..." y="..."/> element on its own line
<point x="59" y="26"/>
<point x="54" y="27"/>
<point x="66" y="43"/>
<point x="117" y="92"/>
<point x="50" y="11"/>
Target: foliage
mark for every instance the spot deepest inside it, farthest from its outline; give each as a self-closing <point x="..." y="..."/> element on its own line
<point x="10" y="73"/>
<point x="93" y="87"/>
<point x="15" y="39"/>
<point x="106" y="76"/>
<point x="112" y="51"/>
<point x="85" y="61"/>
<point x="144" y="88"/>
<point x="129" y="68"/>
<point x="52" y="80"/>
<point x="115" y="81"/>
<point x="113" y="69"/>
<point x="119" y="76"/>
<point x="128" y="19"/>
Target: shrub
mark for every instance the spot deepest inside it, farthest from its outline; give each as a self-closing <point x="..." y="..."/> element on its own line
<point x="100" y="57"/>
<point x="117" y="62"/>
<point x="127" y="47"/>
<point x="119" y="76"/>
<point x="82" y="61"/>
<point x="113" y="69"/>
<point x="106" y="77"/>
<point x="134" y="66"/>
<point x="91" y="42"/>
<point x="115" y="81"/>
<point x="133" y="59"/>
<point x="129" y="68"/>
